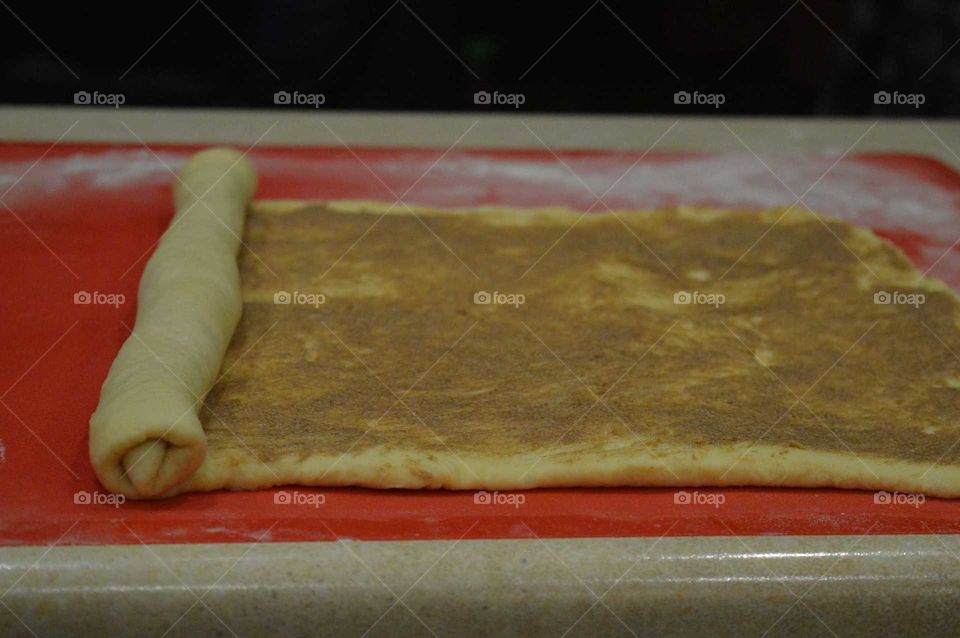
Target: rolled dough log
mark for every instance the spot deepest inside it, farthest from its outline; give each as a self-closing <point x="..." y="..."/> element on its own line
<point x="145" y="436"/>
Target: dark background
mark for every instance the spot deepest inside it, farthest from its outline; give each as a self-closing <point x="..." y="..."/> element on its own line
<point x="818" y="57"/>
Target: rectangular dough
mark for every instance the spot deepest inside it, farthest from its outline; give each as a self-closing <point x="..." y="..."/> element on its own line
<point x="391" y="347"/>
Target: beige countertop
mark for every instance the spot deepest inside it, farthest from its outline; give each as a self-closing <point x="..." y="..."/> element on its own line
<point x="807" y="586"/>
<point x="773" y="585"/>
<point x="500" y="130"/>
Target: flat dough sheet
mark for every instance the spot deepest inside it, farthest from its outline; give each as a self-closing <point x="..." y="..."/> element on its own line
<point x="599" y="377"/>
<point x="393" y="347"/>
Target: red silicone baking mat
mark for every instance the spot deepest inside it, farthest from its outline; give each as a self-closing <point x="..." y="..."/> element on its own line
<point x="83" y="218"/>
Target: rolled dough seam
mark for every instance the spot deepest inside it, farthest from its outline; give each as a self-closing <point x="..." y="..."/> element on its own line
<point x="145" y="435"/>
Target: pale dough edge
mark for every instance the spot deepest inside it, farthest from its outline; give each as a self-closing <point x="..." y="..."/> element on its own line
<point x="738" y="465"/>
